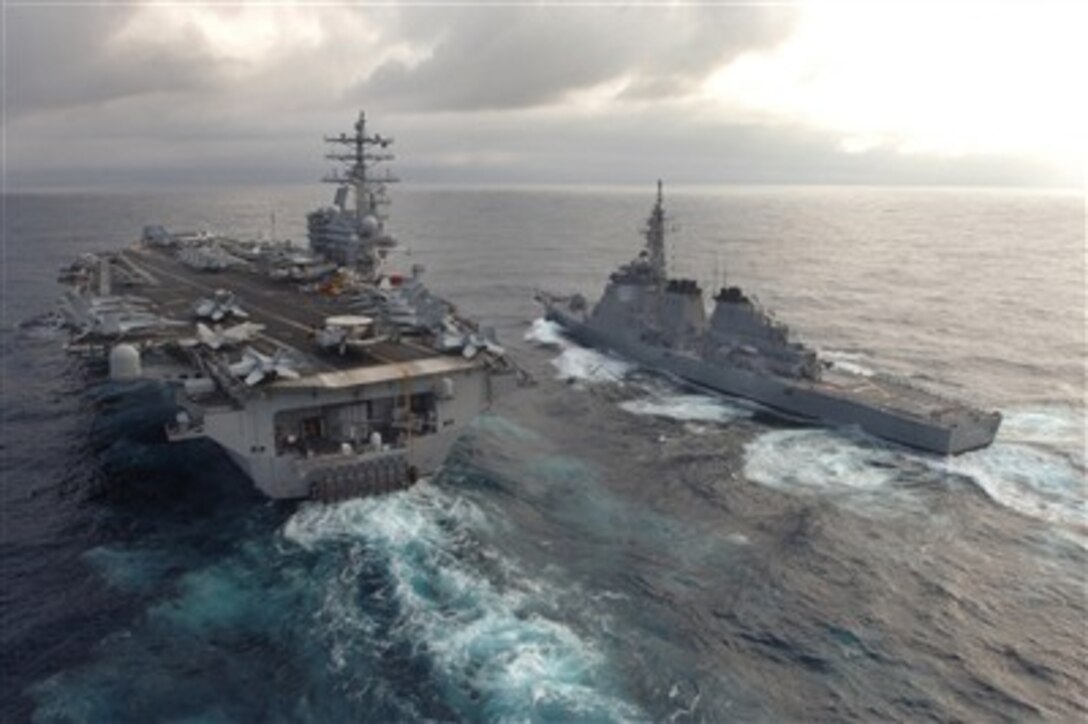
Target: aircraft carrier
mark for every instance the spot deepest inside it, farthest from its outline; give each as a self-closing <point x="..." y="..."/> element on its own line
<point x="320" y="371"/>
<point x="740" y="350"/>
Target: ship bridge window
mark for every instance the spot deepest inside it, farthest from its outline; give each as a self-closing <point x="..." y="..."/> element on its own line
<point x="424" y="417"/>
<point x="406" y="416"/>
<point x="312" y="428"/>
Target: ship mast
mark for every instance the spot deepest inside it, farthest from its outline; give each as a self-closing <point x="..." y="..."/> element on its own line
<point x="358" y="161"/>
<point x="655" y="238"/>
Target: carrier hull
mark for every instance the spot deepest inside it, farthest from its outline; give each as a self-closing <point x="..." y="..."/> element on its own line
<point x="318" y="372"/>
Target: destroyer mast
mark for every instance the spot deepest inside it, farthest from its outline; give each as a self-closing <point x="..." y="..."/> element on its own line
<point x="655" y="239"/>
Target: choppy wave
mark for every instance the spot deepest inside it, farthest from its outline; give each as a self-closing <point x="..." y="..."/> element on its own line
<point x="1035" y="467"/>
<point x="1060" y="427"/>
<point x="391" y="608"/>
<point x="496" y="647"/>
<point x="662" y="400"/>
<point x="546" y="333"/>
<point x="827" y="462"/>
<point x="579" y="363"/>
<point x="853" y="362"/>
<point x="576" y="362"/>
<point x="1033" y="482"/>
<point x="686" y="407"/>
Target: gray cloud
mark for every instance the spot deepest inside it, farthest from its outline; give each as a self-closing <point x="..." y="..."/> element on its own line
<point x="517" y="57"/>
<point x="680" y="149"/>
<point x="127" y="95"/>
<point x="60" y="56"/>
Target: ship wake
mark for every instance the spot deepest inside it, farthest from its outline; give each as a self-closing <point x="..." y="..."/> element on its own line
<point x="685" y="407"/>
<point x="487" y="631"/>
<point x="658" y="398"/>
<point x="1036" y="467"/>
<point x="576" y="363"/>
<point x="394" y="608"/>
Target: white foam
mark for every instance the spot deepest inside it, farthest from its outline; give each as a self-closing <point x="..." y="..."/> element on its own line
<point x="575" y="362"/>
<point x="851" y="362"/>
<point x="546" y="332"/>
<point x="401" y="519"/>
<point x="738" y="539"/>
<point x="579" y="363"/>
<point x="1032" y="481"/>
<point x="492" y="636"/>
<point x="1036" y="467"/>
<point x="690" y="408"/>
<point x="819" y="461"/>
<point x="1056" y="426"/>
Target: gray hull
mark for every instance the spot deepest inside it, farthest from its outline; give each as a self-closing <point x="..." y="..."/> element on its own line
<point x="920" y="420"/>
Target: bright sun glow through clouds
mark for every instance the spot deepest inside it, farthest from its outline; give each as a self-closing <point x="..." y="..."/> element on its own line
<point x="946" y="79"/>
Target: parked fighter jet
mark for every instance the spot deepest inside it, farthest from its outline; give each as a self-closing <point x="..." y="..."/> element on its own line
<point x="219" y="307"/>
<point x="254" y="367"/>
<point x="217" y="337"/>
<point x="111" y="316"/>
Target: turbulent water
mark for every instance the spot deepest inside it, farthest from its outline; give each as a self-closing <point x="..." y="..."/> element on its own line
<point x="606" y="546"/>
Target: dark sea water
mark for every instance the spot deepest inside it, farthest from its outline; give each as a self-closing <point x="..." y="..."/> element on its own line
<point x="606" y="546"/>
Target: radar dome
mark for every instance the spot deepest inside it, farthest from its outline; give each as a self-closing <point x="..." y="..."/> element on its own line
<point x="370" y="225"/>
<point x="124" y="362"/>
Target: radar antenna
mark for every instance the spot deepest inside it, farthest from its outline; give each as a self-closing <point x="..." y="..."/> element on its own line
<point x="353" y="234"/>
<point x="358" y="162"/>
<point x="655" y="237"/>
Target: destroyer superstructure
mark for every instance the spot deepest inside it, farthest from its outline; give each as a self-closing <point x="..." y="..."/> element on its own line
<point x="318" y="371"/>
<point x="741" y="350"/>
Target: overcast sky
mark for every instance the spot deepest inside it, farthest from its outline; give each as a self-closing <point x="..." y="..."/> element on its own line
<point x="874" y="92"/>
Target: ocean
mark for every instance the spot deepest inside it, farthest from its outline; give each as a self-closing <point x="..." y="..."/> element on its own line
<point x="604" y="546"/>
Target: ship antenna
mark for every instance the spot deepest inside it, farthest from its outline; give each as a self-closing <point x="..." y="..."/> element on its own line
<point x="361" y="153"/>
<point x="655" y="236"/>
<point x="717" y="270"/>
<point x="369" y="190"/>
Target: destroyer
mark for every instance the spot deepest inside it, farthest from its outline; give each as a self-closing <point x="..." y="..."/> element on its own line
<point x="321" y="373"/>
<point x="740" y="350"/>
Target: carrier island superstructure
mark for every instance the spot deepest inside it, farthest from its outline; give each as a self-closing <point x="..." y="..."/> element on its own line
<point x="739" y="349"/>
<point x="318" y="370"/>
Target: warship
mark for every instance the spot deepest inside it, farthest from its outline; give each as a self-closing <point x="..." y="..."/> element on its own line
<point x="320" y="371"/>
<point x="739" y="349"/>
